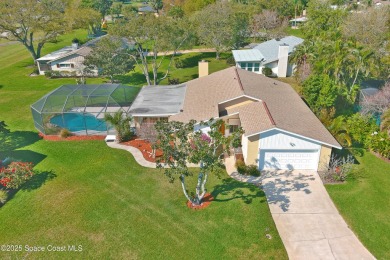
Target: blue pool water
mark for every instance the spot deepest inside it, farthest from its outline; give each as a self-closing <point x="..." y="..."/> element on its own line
<point x="75" y="122"/>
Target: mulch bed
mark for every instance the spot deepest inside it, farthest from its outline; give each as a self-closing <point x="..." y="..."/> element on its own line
<point x="72" y="138"/>
<point x="145" y="148"/>
<point x="206" y="202"/>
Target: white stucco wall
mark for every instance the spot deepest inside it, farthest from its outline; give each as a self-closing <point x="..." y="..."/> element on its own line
<point x="244" y="144"/>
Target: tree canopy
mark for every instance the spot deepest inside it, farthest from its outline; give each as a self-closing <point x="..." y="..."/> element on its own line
<point x="110" y="56"/>
<point x="220" y="27"/>
<point x="160" y="35"/>
<point x="32" y="22"/>
<point x="182" y="144"/>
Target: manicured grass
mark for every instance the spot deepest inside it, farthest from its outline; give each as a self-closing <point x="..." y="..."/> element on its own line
<point x="295" y="32"/>
<point x="188" y="72"/>
<point x="116" y="209"/>
<point x="85" y="193"/>
<point x="364" y="202"/>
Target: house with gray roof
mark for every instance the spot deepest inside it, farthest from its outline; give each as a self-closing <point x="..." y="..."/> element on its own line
<point x="70" y="58"/>
<point x="273" y="54"/>
<point x="281" y="132"/>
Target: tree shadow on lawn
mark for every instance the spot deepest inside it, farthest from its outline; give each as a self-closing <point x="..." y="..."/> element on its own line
<point x="24" y="156"/>
<point x="38" y="180"/>
<point x="18" y="139"/>
<point x="231" y="189"/>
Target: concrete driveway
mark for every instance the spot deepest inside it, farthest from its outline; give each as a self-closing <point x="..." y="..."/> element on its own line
<point x="306" y="218"/>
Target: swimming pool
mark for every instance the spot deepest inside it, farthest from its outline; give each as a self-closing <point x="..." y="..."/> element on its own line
<point x="75" y="122"/>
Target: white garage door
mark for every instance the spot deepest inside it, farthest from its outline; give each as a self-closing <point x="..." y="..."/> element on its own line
<point x="289" y="160"/>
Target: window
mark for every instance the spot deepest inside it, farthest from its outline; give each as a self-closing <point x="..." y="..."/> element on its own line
<point x="250" y="66"/>
<point x="232" y="128"/>
<point x="257" y="67"/>
<point x="63" y="65"/>
<point x="243" y="65"/>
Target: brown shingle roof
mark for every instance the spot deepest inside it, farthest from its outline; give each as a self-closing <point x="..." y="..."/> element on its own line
<point x="203" y="95"/>
<point x="287" y="111"/>
<point x="287" y="108"/>
<point x="254" y="117"/>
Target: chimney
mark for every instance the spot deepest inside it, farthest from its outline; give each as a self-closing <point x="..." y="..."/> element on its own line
<point x="203" y="66"/>
<point x="283" y="60"/>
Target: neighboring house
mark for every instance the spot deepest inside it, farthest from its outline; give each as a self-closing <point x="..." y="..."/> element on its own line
<point x="281" y="132"/>
<point x="272" y="54"/>
<point x="147" y="10"/>
<point x="70" y="58"/>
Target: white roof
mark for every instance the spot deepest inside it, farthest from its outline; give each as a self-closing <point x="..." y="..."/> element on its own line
<point x="299" y="19"/>
<point x="267" y="50"/>
<point x="247" y="55"/>
<point x="57" y="54"/>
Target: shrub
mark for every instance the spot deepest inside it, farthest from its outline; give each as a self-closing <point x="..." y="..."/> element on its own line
<point x="240" y="165"/>
<point x="243" y="169"/>
<point x="379" y="143"/>
<point x="178" y="63"/>
<point x="230" y="61"/>
<point x="65" y="133"/>
<point x="173" y="81"/>
<point x="267" y="72"/>
<point x="337" y="170"/>
<point x="252" y="170"/>
<point x="16" y="174"/>
<point x="3" y="196"/>
<point x="360" y="127"/>
<point x="48" y="73"/>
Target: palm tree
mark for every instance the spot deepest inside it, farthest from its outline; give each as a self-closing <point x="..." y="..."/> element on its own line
<point x="339" y="130"/>
<point x="121" y="122"/>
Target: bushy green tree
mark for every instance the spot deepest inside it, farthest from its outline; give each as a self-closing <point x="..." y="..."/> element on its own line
<point x="32" y="23"/>
<point x="220" y="27"/>
<point x="360" y="127"/>
<point x="109" y="57"/>
<point x="103" y="6"/>
<point x="181" y="144"/>
<point x="320" y="92"/>
<point x="161" y="35"/>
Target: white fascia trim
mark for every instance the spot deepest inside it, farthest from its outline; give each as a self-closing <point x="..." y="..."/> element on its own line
<point x="305" y="137"/>
<point x="216" y="118"/>
<point x="225" y="101"/>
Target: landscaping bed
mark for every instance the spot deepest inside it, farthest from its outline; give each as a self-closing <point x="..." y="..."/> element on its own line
<point x="71" y="138"/>
<point x="145" y="148"/>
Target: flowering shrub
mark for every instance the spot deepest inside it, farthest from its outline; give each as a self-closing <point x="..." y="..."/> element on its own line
<point x="15" y="174"/>
<point x="380" y="143"/>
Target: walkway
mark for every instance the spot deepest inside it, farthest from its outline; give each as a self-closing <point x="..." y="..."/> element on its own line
<point x="307" y="220"/>
<point x="139" y="158"/>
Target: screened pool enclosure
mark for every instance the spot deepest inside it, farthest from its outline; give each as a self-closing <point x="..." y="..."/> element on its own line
<point x="80" y="108"/>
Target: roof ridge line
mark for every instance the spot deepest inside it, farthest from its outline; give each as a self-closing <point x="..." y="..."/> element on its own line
<point x="268" y="113"/>
<point x="239" y="80"/>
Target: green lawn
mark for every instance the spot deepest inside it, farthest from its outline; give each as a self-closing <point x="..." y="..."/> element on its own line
<point x="364" y="202"/>
<point x="90" y="195"/>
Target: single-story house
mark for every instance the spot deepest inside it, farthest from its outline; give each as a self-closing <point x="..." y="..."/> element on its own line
<point x="281" y="132"/>
<point x="70" y="58"/>
<point x="272" y="54"/>
<point x="147" y="9"/>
